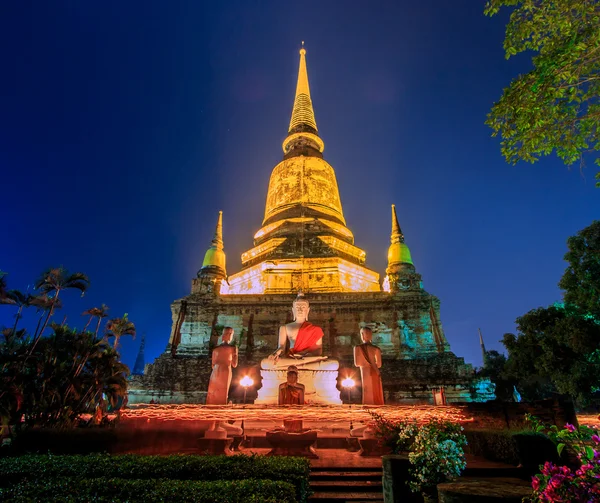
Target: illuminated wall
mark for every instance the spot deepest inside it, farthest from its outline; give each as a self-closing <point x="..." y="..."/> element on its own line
<point x="315" y="275"/>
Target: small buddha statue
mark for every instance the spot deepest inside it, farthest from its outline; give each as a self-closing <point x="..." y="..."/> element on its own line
<point x="291" y="392"/>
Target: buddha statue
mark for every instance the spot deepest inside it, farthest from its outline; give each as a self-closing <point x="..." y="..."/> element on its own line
<point x="291" y="392"/>
<point x="224" y="357"/>
<point x="367" y="357"/>
<point x="300" y="343"/>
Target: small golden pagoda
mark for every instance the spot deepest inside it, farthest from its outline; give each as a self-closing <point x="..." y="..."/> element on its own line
<point x="304" y="242"/>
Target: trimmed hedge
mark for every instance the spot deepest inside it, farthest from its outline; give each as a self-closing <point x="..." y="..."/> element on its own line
<point x="76" y="490"/>
<point x="495" y="445"/>
<point x="525" y="447"/>
<point x="180" y="467"/>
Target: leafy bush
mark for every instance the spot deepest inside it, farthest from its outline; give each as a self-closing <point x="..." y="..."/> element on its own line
<point x="388" y="433"/>
<point x="185" y="467"/>
<point x="534" y="449"/>
<point x="436" y="449"/>
<point x="74" y="490"/>
<point x="562" y="483"/>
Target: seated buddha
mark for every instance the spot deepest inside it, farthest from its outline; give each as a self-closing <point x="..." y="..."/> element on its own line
<point x="300" y="343"/>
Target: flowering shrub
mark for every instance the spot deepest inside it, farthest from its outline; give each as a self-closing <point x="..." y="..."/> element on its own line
<point x="436" y="449"/>
<point x="561" y="483"/>
<point x="437" y="454"/>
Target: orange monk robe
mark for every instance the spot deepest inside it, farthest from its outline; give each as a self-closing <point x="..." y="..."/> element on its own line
<point x="368" y="358"/>
<point x="224" y="357"/>
<point x="307" y="338"/>
<point x="291" y="394"/>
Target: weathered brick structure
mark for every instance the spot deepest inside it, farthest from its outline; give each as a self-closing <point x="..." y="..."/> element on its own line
<point x="304" y="244"/>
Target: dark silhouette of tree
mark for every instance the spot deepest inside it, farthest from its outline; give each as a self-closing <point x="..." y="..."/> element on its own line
<point x="96" y="312"/>
<point x="119" y="327"/>
<point x="53" y="281"/>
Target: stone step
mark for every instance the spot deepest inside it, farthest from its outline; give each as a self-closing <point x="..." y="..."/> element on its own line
<point x="343" y="485"/>
<point x="354" y="497"/>
<point x="346" y="475"/>
<point x="484" y="471"/>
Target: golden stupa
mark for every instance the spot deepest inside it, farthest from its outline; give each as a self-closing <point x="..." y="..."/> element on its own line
<point x="304" y="242"/>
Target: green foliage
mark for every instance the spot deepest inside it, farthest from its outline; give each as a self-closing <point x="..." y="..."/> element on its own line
<point x="388" y="433"/>
<point x="581" y="280"/>
<point x="159" y="490"/>
<point x="119" y="327"/>
<point x="33" y="468"/>
<point x="66" y="374"/>
<point x="577" y="439"/>
<point x="556" y="350"/>
<point x="494" y="368"/>
<point x="437" y="454"/>
<point x="52" y="380"/>
<point x="555" y="107"/>
<point x="436" y="449"/>
<point x="534" y="448"/>
<point x="560" y="483"/>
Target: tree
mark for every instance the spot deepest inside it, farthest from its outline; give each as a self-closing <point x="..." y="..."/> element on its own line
<point x="581" y="280"/>
<point x="556" y="350"/>
<point x="556" y="106"/>
<point x="20" y="300"/>
<point x="3" y="285"/>
<point x="494" y="368"/>
<point x="53" y="380"/>
<point x="96" y="312"/>
<point x="118" y="327"/>
<point x="55" y="280"/>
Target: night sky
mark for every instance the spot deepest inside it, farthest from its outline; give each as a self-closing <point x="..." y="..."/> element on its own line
<point x="126" y="126"/>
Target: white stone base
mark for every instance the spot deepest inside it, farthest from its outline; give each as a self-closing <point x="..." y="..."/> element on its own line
<point x="320" y="386"/>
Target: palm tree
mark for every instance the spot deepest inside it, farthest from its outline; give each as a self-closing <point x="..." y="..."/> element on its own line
<point x="2" y="285"/>
<point x="96" y="312"/>
<point x="43" y="303"/>
<point x="55" y="280"/>
<point x="118" y="327"/>
<point x="20" y="300"/>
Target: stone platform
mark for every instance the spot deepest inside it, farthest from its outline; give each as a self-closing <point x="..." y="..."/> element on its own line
<point x="320" y="386"/>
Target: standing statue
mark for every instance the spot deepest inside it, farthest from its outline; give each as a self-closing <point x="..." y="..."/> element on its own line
<point x="368" y="357"/>
<point x="300" y="343"/>
<point x="224" y="357"/>
<point x="291" y="392"/>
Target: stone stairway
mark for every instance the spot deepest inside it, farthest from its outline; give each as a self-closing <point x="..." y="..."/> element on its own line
<point x="341" y="485"/>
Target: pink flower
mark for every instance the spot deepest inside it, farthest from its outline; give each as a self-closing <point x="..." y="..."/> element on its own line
<point x="570" y="427"/>
<point x="556" y="481"/>
<point x="596" y="439"/>
<point x="535" y="483"/>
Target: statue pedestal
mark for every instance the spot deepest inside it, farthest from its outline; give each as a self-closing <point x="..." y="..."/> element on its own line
<point x="214" y="446"/>
<point x="320" y="386"/>
<point x="284" y="443"/>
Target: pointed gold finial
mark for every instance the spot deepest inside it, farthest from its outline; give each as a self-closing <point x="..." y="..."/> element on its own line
<point x="397" y="236"/>
<point x="215" y="255"/>
<point x="303" y="115"/>
<point x="218" y="239"/>
<point x="398" y="252"/>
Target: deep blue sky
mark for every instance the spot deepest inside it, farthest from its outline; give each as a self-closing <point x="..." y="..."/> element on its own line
<point x="126" y="126"/>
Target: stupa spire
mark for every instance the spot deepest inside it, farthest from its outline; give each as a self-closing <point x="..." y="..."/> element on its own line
<point x="303" y="115"/>
<point x="398" y="252"/>
<point x="215" y="255"/>
<point x="138" y="368"/>
<point x="218" y="238"/>
<point x="397" y="236"/>
<point x="482" y="345"/>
